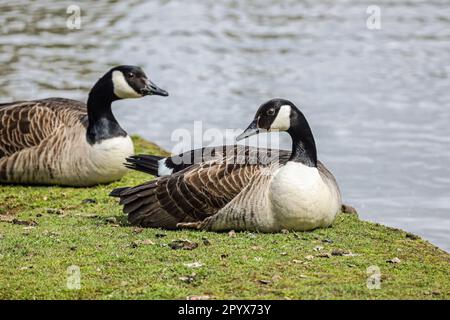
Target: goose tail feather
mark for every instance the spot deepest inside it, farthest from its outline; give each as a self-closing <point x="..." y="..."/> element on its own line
<point x="118" y="191"/>
<point x="145" y="163"/>
<point x="141" y="205"/>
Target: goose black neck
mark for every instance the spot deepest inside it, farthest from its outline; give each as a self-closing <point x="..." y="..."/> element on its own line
<point x="102" y="124"/>
<point x="303" y="144"/>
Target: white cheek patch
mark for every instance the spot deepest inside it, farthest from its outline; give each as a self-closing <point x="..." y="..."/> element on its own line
<point x="121" y="87"/>
<point x="283" y="120"/>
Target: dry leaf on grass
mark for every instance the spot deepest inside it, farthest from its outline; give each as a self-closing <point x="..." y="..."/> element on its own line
<point x="195" y="264"/>
<point x="394" y="260"/>
<point x="263" y="281"/>
<point x="24" y="222"/>
<point x="204" y="297"/>
<point x="137" y="243"/>
<point x="183" y="244"/>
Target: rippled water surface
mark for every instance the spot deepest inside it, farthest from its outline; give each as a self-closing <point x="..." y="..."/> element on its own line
<point x="378" y="100"/>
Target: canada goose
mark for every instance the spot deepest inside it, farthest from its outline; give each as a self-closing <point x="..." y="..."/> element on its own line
<point x="234" y="192"/>
<point x="66" y="142"/>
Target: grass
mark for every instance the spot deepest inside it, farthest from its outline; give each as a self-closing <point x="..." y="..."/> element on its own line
<point x="53" y="230"/>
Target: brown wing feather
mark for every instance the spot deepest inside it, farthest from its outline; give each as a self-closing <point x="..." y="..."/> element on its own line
<point x="26" y="124"/>
<point x="193" y="194"/>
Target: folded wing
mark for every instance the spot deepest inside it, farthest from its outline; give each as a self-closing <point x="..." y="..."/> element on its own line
<point x="193" y="194"/>
<point x="27" y="124"/>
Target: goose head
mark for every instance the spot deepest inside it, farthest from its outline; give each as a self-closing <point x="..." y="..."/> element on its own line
<point x="132" y="82"/>
<point x="282" y="115"/>
<point x="124" y="82"/>
<point x="273" y="115"/>
<point x="120" y="82"/>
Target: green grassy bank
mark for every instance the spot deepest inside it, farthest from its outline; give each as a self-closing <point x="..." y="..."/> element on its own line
<point x="45" y="230"/>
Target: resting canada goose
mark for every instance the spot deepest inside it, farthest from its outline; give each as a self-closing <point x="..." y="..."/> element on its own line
<point x="235" y="192"/>
<point x="66" y="142"/>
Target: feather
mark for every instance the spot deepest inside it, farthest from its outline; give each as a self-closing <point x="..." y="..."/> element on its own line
<point x="144" y="163"/>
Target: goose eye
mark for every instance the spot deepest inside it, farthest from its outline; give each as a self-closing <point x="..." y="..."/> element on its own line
<point x="271" y="112"/>
<point x="130" y="75"/>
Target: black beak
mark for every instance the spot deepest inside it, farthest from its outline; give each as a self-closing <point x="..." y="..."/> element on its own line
<point x="251" y="130"/>
<point x="153" y="89"/>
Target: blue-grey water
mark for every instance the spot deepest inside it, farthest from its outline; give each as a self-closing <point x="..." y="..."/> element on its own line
<point x="378" y="100"/>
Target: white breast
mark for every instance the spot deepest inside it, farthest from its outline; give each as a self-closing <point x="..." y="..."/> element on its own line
<point x="300" y="199"/>
<point x="107" y="158"/>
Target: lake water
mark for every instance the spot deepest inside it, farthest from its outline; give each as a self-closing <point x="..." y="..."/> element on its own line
<point x="378" y="101"/>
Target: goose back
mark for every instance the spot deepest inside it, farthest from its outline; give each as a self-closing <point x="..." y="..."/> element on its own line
<point x="161" y="166"/>
<point x="26" y="124"/>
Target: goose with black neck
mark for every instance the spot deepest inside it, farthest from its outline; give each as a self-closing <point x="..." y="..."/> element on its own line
<point x="235" y="192"/>
<point x="66" y="142"/>
<point x="302" y="197"/>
